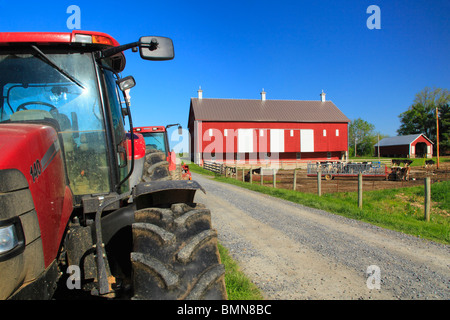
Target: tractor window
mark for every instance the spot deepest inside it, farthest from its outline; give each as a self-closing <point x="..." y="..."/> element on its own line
<point x="116" y="109"/>
<point x="155" y="140"/>
<point x="117" y="122"/>
<point x="33" y="90"/>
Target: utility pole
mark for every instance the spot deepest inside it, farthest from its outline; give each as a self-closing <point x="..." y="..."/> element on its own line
<point x="378" y="144"/>
<point x="437" y="136"/>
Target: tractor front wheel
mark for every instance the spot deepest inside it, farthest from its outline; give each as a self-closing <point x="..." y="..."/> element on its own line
<point x="175" y="254"/>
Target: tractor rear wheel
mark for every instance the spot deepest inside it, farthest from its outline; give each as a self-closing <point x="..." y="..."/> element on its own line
<point x="175" y="254"/>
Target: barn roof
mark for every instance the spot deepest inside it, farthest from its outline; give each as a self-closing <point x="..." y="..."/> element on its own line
<point x="400" y="140"/>
<point x="241" y="110"/>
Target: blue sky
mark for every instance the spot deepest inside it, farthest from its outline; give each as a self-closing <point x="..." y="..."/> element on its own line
<point x="292" y="49"/>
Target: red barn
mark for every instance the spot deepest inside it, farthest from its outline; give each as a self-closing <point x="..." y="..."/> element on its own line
<point x="261" y="131"/>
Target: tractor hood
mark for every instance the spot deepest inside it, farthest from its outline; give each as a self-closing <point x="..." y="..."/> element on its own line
<point x="35" y="151"/>
<point x="22" y="144"/>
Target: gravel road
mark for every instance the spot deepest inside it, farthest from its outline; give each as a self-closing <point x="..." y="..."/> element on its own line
<point x="294" y="252"/>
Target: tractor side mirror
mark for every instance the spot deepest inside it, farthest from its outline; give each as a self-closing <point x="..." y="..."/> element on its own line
<point x="180" y="130"/>
<point x="156" y="48"/>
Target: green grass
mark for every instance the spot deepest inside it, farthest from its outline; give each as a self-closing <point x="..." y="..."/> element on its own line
<point x="197" y="169"/>
<point x="239" y="287"/>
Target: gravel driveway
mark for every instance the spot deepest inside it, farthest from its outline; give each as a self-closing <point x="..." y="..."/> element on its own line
<point x="294" y="252"/>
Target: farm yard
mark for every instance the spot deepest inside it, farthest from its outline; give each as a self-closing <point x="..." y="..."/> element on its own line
<point x="401" y="205"/>
<point x="284" y="178"/>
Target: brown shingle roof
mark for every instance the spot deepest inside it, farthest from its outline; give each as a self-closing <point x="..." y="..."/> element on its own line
<point x="268" y="110"/>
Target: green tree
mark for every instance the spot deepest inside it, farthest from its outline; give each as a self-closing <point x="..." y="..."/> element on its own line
<point x="421" y="116"/>
<point x="444" y="129"/>
<point x="362" y="137"/>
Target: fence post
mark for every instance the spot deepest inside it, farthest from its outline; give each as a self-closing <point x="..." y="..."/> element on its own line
<point x="360" y="194"/>
<point x="295" y="180"/>
<point x="319" y="182"/>
<point x="251" y="176"/>
<point x="274" y="178"/>
<point x="235" y="171"/>
<point x="427" y="198"/>
<point x="262" y="176"/>
<point x="243" y="175"/>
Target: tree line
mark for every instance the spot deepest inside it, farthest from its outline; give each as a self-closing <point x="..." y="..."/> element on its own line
<point x="420" y="117"/>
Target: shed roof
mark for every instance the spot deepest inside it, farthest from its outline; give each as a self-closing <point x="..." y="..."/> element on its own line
<point x="239" y="110"/>
<point x="400" y="140"/>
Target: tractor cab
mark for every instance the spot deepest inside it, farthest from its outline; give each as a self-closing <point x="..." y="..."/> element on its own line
<point x="39" y="93"/>
<point x="155" y="138"/>
<point x="71" y="82"/>
<point x="70" y="207"/>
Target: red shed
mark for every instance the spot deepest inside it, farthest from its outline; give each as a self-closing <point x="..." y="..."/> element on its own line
<point x="409" y="146"/>
<point x="261" y="131"/>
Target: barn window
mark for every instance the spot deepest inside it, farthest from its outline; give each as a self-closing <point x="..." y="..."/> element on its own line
<point x="337" y="132"/>
<point x="324" y="132"/>
<point x="328" y="155"/>
<point x="261" y="133"/>
<point x="210" y="132"/>
<point x="225" y="132"/>
<point x="292" y="133"/>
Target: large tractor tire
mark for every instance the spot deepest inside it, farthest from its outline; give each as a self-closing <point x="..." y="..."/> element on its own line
<point x="156" y="166"/>
<point x="175" y="255"/>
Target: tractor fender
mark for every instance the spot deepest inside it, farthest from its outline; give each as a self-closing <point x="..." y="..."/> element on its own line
<point x="168" y="192"/>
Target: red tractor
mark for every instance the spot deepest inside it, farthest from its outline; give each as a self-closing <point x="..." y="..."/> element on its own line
<point x="70" y="223"/>
<point x="160" y="163"/>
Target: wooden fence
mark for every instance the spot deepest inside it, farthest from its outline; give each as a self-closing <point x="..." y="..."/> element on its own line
<point x="214" y="167"/>
<point x="297" y="180"/>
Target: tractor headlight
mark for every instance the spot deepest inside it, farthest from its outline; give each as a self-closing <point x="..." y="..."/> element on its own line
<point x="8" y="239"/>
<point x="11" y="238"/>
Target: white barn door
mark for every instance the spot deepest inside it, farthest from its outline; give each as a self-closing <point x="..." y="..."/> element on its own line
<point x="276" y="140"/>
<point x="245" y="140"/>
<point x="306" y="140"/>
